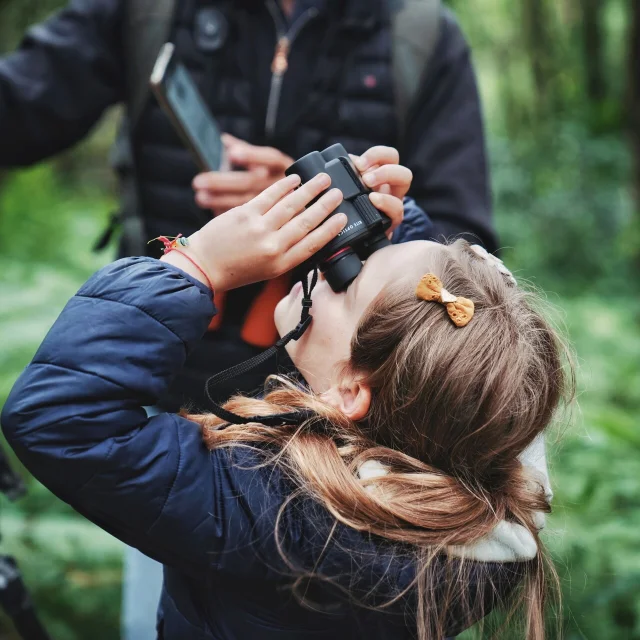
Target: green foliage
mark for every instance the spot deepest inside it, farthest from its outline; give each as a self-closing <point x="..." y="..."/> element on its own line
<point x="561" y="210"/>
<point x="593" y="533"/>
<point x="15" y="17"/>
<point x="41" y="211"/>
<point x="72" y="568"/>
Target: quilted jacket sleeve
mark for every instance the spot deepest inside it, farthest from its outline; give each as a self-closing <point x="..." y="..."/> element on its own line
<point x="57" y="84"/>
<point x="75" y="417"/>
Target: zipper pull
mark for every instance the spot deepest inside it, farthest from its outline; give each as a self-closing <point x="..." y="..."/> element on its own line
<point x="280" y="61"/>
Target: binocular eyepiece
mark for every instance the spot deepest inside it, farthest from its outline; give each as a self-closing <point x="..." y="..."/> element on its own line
<point x="341" y="260"/>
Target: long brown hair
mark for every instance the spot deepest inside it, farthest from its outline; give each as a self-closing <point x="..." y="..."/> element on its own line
<point x="451" y="411"/>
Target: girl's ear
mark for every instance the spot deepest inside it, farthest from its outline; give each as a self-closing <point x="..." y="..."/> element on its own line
<point x="352" y="397"/>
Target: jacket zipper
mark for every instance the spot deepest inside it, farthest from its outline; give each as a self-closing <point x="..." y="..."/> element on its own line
<point x="280" y="63"/>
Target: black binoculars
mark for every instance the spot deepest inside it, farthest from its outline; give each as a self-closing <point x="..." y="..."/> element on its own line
<point x="341" y="260"/>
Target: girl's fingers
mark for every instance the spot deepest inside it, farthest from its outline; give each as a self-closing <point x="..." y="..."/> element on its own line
<point x="265" y="201"/>
<point x="303" y="224"/>
<point x="389" y="205"/>
<point x="377" y="155"/>
<point x="314" y="241"/>
<point x="393" y="174"/>
<point x="290" y="206"/>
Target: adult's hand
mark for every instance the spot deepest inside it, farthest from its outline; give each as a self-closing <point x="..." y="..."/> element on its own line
<point x="260" y="167"/>
<point x="266" y="237"/>
<point x="389" y="180"/>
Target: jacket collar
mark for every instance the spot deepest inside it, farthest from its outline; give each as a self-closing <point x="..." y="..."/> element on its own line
<point x="363" y="14"/>
<point x="356" y="14"/>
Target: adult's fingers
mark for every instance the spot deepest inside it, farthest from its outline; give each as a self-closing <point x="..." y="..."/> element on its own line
<point x="304" y="223"/>
<point x="376" y="155"/>
<point x="230" y="181"/>
<point x="295" y="202"/>
<point x="268" y="157"/>
<point x="389" y="205"/>
<point x="242" y="153"/>
<point x="229" y="140"/>
<point x="314" y="241"/>
<point x="222" y="203"/>
<point x="266" y="200"/>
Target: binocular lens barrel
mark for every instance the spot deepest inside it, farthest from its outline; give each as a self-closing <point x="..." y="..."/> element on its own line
<point x="341" y="259"/>
<point x="341" y="269"/>
<point x="308" y="166"/>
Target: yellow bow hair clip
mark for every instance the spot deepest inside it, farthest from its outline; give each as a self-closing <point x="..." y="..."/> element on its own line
<point x="460" y="310"/>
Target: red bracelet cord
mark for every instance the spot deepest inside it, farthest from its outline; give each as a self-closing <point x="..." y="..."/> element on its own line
<point x="196" y="265"/>
<point x="171" y="244"/>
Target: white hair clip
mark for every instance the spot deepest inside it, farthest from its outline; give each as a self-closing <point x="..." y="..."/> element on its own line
<point x="481" y="252"/>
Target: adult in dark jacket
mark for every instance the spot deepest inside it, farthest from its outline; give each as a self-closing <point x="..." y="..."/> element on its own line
<point x="337" y="88"/>
<point x="406" y="463"/>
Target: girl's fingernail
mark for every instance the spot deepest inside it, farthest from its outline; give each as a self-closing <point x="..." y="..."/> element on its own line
<point x="336" y="194"/>
<point x="294" y="178"/>
<point x="361" y="163"/>
<point x="342" y="218"/>
<point x="323" y="179"/>
<point x="369" y="178"/>
<point x="375" y="198"/>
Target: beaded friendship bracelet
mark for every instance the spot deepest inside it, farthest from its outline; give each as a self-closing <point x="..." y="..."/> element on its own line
<point x="171" y="243"/>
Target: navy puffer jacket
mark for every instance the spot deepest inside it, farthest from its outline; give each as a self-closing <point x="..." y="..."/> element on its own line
<point x="75" y="419"/>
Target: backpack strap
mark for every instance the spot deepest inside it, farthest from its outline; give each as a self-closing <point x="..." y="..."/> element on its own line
<point x="147" y="25"/>
<point x="415" y="27"/>
<point x="147" y="28"/>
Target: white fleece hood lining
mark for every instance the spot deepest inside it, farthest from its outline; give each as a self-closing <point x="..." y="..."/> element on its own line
<point x="508" y="541"/>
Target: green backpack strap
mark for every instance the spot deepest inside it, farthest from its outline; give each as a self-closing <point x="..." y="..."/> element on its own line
<point x="147" y="28"/>
<point x="415" y="27"/>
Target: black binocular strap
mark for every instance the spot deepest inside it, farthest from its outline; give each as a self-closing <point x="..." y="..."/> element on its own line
<point x="274" y="420"/>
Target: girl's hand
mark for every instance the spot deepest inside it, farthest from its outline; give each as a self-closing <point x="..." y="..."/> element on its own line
<point x="389" y="180"/>
<point x="266" y="237"/>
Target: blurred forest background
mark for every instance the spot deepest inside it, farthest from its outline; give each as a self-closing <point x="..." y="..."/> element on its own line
<point x="560" y="81"/>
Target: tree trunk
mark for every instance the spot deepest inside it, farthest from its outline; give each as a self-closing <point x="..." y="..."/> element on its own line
<point x="540" y="49"/>
<point x="633" y="110"/>
<point x="535" y="35"/>
<point x="634" y="86"/>
<point x="592" y="43"/>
